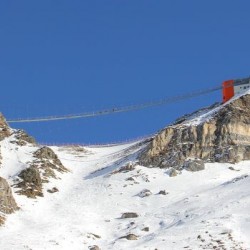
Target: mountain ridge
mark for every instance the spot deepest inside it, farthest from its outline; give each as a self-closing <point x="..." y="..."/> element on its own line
<point x="221" y="134"/>
<point x="108" y="198"/>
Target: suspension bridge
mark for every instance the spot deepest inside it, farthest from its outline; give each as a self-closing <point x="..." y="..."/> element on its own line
<point x="160" y="102"/>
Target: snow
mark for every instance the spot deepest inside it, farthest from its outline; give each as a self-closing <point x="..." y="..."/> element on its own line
<point x="201" y="210"/>
<point x="15" y="158"/>
<point x="206" y="115"/>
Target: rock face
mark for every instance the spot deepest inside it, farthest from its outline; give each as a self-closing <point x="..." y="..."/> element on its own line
<point x="31" y="183"/>
<point x="222" y="134"/>
<point x="4" y="128"/>
<point x="7" y="202"/>
<point x="48" y="162"/>
<point x="45" y="166"/>
<point x="22" y="138"/>
<point x="46" y="153"/>
<point x="31" y="174"/>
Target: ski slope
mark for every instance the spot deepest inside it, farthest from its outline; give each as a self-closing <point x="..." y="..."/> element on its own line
<point x="201" y="210"/>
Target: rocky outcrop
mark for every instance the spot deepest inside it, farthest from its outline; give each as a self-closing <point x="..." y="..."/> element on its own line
<point x="32" y="171"/>
<point x="49" y="163"/>
<point x="45" y="166"/>
<point x="4" y="128"/>
<point x="95" y="247"/>
<point x="222" y="134"/>
<point x="7" y="202"/>
<point x="172" y="172"/>
<point x="130" y="237"/>
<point x="129" y="215"/>
<point x="22" y="138"/>
<point x="46" y="153"/>
<point x="194" y="165"/>
<point x="31" y="183"/>
<point x="144" y="193"/>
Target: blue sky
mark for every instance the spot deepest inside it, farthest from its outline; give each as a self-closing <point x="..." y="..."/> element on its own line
<point x="60" y="57"/>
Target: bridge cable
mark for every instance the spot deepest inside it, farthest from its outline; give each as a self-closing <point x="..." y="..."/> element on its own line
<point x="160" y="102"/>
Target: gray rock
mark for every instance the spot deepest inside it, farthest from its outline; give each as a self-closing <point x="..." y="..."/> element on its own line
<point x="172" y="172"/>
<point x="163" y="192"/>
<point x="7" y="202"/>
<point x="129" y="215"/>
<point x="146" y="229"/>
<point x="145" y="193"/>
<point x="130" y="237"/>
<point x="232" y="168"/>
<point x="95" y="247"/>
<point x="130" y="179"/>
<point x="53" y="190"/>
<point x="194" y="165"/>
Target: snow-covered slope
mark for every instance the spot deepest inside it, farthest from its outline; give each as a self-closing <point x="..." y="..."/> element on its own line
<point x="195" y="210"/>
<point x="204" y="115"/>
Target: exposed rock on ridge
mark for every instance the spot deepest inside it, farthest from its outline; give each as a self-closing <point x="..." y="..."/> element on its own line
<point x="49" y="163"/>
<point x="44" y="165"/>
<point x="223" y="136"/>
<point x="22" y="138"/>
<point x="28" y="174"/>
<point x="4" y="128"/>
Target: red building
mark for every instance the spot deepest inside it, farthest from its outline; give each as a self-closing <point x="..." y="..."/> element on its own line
<point x="231" y="88"/>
